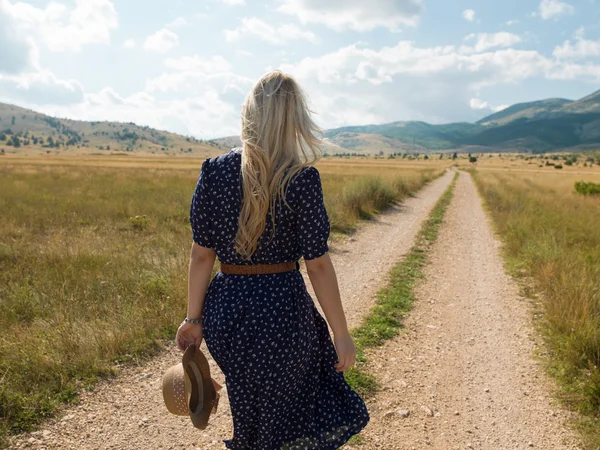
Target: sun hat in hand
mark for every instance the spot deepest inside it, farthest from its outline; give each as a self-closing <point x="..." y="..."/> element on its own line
<point x="188" y="388"/>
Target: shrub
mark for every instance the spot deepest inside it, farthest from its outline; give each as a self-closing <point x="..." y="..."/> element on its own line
<point x="139" y="223"/>
<point x="581" y="187"/>
<point x="558" y="166"/>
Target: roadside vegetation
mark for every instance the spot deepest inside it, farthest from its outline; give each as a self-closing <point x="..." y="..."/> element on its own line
<point x="552" y="240"/>
<point x="93" y="266"/>
<point x="351" y="199"/>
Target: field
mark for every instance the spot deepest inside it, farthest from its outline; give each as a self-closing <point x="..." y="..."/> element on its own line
<point x="552" y="241"/>
<point x="93" y="262"/>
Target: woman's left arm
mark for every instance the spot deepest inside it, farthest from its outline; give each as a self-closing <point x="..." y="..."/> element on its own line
<point x="202" y="260"/>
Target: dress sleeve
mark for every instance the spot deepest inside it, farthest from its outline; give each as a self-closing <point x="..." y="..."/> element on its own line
<point x="200" y="215"/>
<point x="313" y="222"/>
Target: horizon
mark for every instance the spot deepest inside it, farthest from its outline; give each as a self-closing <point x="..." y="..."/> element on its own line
<point x="393" y="61"/>
<point x="325" y="129"/>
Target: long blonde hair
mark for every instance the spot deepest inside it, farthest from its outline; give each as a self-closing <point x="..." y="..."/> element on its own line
<point x="279" y="139"/>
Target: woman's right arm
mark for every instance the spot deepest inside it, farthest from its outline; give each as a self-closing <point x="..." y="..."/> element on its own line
<point x="313" y="233"/>
<point x="324" y="281"/>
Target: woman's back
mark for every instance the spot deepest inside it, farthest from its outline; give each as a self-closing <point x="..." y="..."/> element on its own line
<point x="262" y="327"/>
<point x="301" y="230"/>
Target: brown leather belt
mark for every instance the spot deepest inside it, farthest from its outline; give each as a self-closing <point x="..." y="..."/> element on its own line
<point x="259" y="269"/>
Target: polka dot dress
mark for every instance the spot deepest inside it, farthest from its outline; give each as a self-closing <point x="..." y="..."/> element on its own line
<point x="264" y="331"/>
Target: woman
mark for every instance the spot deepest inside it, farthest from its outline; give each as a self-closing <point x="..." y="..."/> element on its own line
<point x="257" y="207"/>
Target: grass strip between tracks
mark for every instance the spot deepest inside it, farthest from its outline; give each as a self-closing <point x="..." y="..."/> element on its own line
<point x="384" y="321"/>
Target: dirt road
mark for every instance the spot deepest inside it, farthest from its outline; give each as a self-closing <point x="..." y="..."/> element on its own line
<point x="464" y="367"/>
<point x="129" y="413"/>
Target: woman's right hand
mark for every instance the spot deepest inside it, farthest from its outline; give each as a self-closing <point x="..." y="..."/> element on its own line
<point x="189" y="334"/>
<point x="346" y="352"/>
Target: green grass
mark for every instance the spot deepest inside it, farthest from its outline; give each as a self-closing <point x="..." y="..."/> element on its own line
<point x="93" y="272"/>
<point x="351" y="200"/>
<point x="384" y="321"/>
<point x="552" y="243"/>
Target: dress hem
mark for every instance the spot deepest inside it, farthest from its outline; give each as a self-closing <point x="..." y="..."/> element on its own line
<point x="230" y="445"/>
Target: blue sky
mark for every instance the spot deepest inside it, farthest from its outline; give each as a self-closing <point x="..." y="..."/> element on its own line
<point x="186" y="66"/>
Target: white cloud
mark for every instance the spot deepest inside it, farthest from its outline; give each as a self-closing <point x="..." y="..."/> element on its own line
<point x="196" y="95"/>
<point x="192" y="75"/>
<point x="252" y="26"/>
<point x="161" y="42"/>
<point x="355" y="85"/>
<point x="468" y="15"/>
<point x="108" y="96"/>
<point x="358" y="15"/>
<point x="129" y="44"/>
<point x="553" y="9"/>
<point x="204" y="115"/>
<point x="18" y="52"/>
<point x="234" y="2"/>
<point x="62" y="28"/>
<point x="177" y="23"/>
<point x="342" y="66"/>
<point x="485" y="41"/>
<point x="191" y="81"/>
<point x="571" y="71"/>
<point x="214" y="64"/>
<point x="22" y="79"/>
<point x="512" y="22"/>
<point x="581" y="48"/>
<point x="476" y="103"/>
<point x="39" y="88"/>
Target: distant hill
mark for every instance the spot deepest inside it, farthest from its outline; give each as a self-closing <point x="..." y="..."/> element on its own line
<point x="229" y="141"/>
<point x="523" y="110"/>
<point x="23" y="129"/>
<point x="540" y="126"/>
<point x="405" y="135"/>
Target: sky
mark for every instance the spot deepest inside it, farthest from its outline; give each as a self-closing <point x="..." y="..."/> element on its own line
<point x="186" y="66"/>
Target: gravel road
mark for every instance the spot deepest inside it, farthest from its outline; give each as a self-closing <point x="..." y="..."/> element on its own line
<point x="463" y="374"/>
<point x="128" y="412"/>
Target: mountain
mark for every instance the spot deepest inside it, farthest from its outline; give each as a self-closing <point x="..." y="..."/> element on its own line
<point x="403" y="135"/>
<point x="540" y="126"/>
<point x="523" y="110"/>
<point x="31" y="130"/>
<point x="229" y="141"/>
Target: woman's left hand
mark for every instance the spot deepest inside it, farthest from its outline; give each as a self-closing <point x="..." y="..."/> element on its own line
<point x="189" y="334"/>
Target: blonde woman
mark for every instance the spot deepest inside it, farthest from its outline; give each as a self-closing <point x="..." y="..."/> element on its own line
<point x="259" y="209"/>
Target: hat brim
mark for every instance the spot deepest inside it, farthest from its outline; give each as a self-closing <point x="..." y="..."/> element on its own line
<point x="203" y="397"/>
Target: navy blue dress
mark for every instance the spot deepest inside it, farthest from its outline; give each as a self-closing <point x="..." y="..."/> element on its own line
<point x="264" y="331"/>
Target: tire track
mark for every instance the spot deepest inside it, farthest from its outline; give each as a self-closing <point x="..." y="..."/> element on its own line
<point x="465" y="368"/>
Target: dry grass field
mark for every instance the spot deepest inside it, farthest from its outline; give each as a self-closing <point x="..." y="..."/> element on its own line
<point x="545" y="164"/>
<point x="93" y="262"/>
<point x="552" y="239"/>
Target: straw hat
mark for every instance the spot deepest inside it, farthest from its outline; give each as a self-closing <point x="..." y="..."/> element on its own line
<point x="188" y="388"/>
